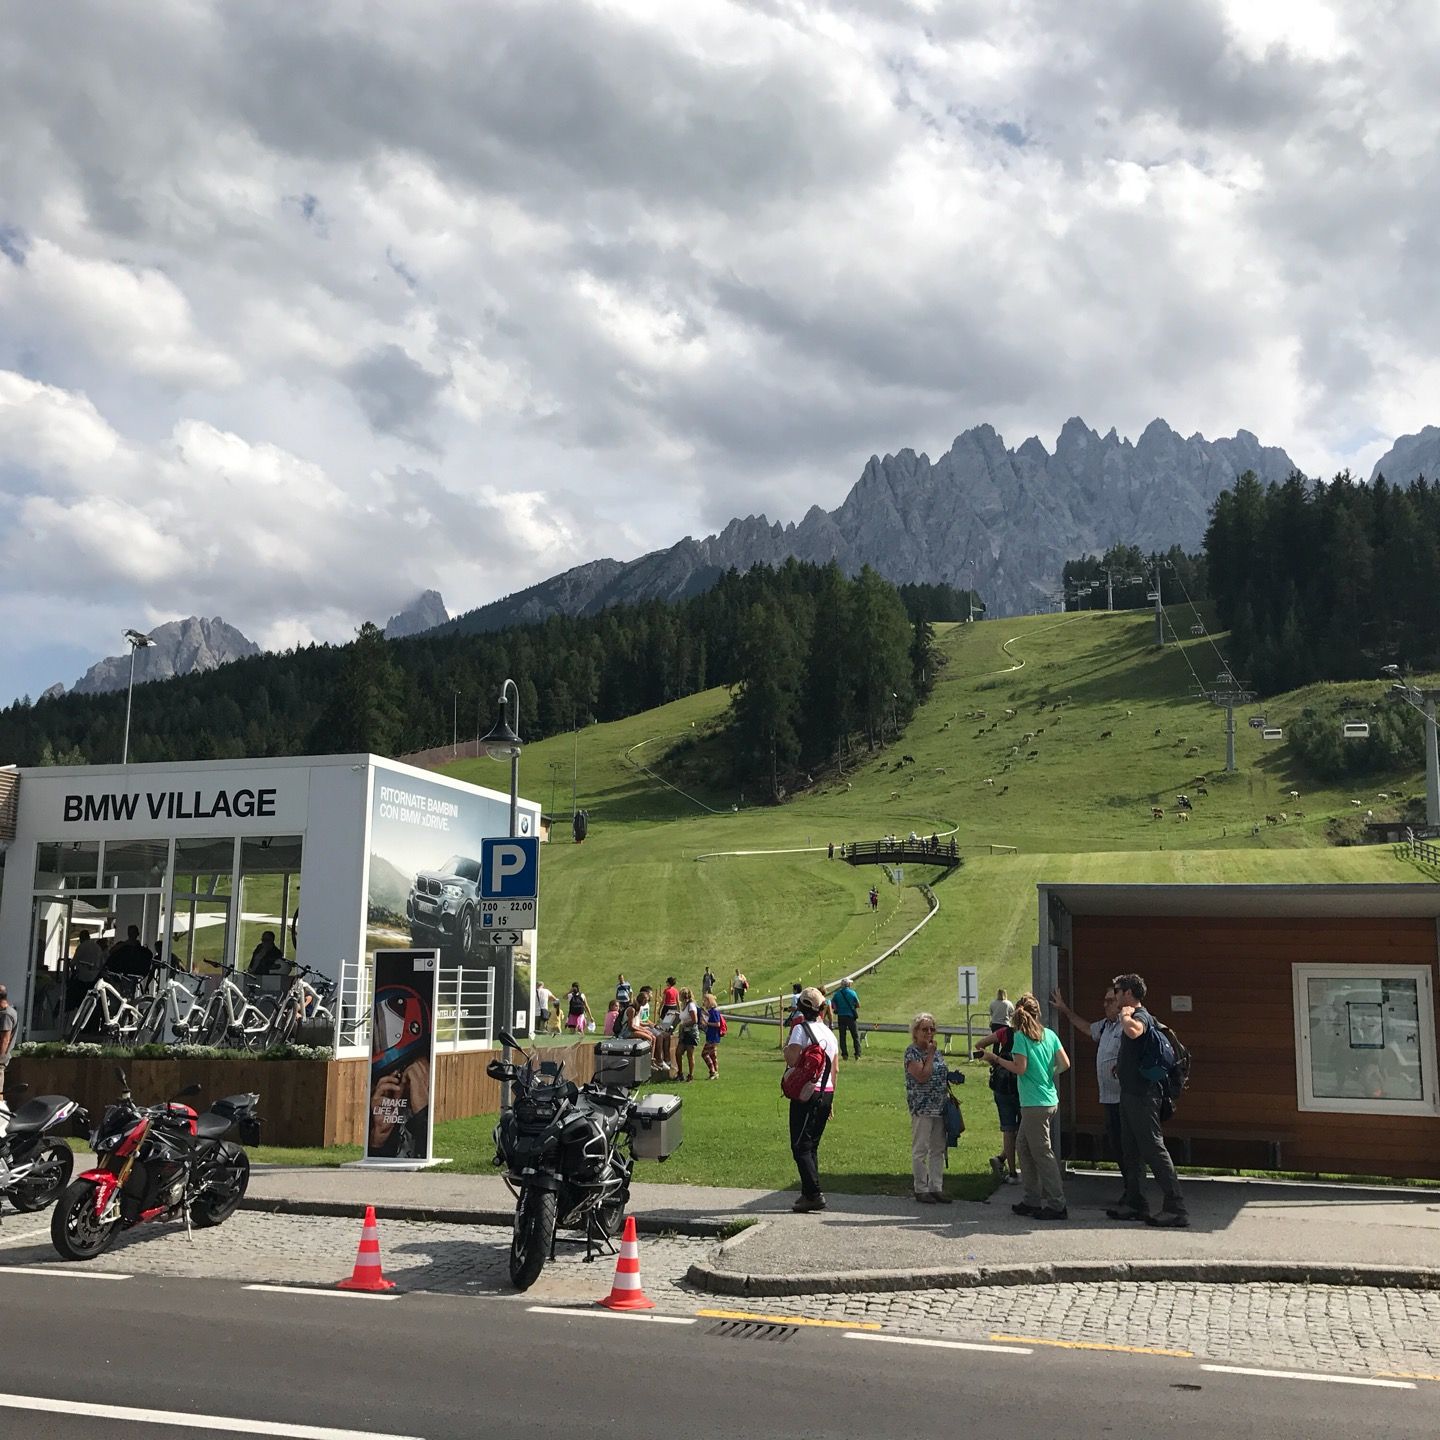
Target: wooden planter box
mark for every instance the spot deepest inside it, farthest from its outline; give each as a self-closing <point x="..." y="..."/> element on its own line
<point x="302" y="1102"/>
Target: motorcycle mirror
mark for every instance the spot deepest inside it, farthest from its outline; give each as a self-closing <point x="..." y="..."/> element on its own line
<point x="18" y="1088"/>
<point x="120" y="1076"/>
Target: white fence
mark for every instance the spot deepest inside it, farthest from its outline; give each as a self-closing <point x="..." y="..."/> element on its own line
<point x="464" y="1007"/>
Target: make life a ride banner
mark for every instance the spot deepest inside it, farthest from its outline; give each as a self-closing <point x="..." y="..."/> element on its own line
<point x="400" y="1124"/>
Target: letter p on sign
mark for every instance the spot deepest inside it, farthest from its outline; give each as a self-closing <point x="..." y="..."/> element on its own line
<point x="509" y="868"/>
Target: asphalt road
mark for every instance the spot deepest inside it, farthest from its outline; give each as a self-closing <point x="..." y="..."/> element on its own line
<point x="158" y="1358"/>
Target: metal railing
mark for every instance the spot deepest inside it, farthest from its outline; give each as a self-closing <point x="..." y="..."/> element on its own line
<point x="464" y="1007"/>
<point x="899" y="852"/>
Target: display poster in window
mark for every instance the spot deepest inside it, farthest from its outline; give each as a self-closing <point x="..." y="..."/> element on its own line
<point x="402" y="1057"/>
<point x="424" y="893"/>
<point x="1367" y="1025"/>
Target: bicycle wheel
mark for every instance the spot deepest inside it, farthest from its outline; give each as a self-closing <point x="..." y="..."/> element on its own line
<point x="152" y="1023"/>
<point x="83" y="1012"/>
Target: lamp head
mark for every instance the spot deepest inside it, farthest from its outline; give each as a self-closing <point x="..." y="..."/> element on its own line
<point x="138" y="639"/>
<point x="501" y="742"/>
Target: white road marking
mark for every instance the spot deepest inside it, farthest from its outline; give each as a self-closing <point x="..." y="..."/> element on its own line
<point x="61" y="1270"/>
<point x="1310" y="1375"/>
<point x="182" y="1421"/>
<point x="602" y="1314"/>
<point x="330" y="1294"/>
<point x="41" y="1232"/>
<point x="938" y="1344"/>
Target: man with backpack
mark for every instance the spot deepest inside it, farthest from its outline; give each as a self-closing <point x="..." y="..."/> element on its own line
<point x="1146" y="1067"/>
<point x="623" y="993"/>
<point x="809" y="1085"/>
<point x="846" y="1005"/>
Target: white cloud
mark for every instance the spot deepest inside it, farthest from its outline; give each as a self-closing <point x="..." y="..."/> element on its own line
<point x="301" y="309"/>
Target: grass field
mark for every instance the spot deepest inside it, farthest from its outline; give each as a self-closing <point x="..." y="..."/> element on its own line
<point x="636" y="898"/>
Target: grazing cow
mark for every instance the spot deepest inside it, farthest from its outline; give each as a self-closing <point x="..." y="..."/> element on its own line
<point x="1014" y="749"/>
<point x="1157" y="731"/>
<point x="1357" y="804"/>
<point x="1272" y="819"/>
<point x="847" y="784"/>
<point x="990" y="782"/>
<point x="1009" y="714"/>
<point x="1193" y="751"/>
<point x="1254" y="830"/>
<point x="1294" y="794"/>
<point x="1182" y="815"/>
<point x="1298" y="814"/>
<point x="1032" y="754"/>
<point x="907" y="759"/>
<point x="1156" y="813"/>
<point x="894" y="794"/>
<point x="1002" y="790"/>
<point x="1369" y="814"/>
<point x="940" y="770"/>
<point x="1040" y="731"/>
<point x="1106" y="734"/>
<point x="1383" y="795"/>
<point x="1201" y="790"/>
<point x="1283" y="817"/>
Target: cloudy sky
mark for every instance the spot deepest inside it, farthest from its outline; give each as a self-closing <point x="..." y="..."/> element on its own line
<point x="305" y="307"/>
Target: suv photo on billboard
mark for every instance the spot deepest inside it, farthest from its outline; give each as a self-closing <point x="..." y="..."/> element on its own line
<point x="444" y="906"/>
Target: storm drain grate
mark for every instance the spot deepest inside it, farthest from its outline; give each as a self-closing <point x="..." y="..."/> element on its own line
<point x="752" y="1330"/>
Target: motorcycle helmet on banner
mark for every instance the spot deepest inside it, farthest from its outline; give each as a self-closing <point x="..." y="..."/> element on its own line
<point x="400" y="1032"/>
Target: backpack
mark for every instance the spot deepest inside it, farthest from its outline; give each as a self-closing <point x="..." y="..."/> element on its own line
<point x="1003" y="1081"/>
<point x="809" y="1074"/>
<point x="1166" y="1061"/>
<point x="720" y="1026"/>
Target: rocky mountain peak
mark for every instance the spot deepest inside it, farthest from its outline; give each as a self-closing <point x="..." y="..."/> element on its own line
<point x="1410" y="457"/>
<point x="181" y="647"/>
<point x="424" y="612"/>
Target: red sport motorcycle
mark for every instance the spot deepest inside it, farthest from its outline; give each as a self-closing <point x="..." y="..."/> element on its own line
<point x="158" y="1162"/>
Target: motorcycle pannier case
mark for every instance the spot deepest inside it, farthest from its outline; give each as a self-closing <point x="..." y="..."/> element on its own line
<point x="657" y="1133"/>
<point x="622" y="1062"/>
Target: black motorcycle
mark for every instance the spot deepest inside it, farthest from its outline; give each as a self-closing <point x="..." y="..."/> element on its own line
<point x="35" y="1163"/>
<point x="159" y="1162"/>
<point x="568" y="1151"/>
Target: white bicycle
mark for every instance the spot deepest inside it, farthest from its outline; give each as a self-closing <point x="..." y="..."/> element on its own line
<point x="302" y="1002"/>
<point x="119" y="1017"/>
<point x="174" y="1005"/>
<point x="231" y="1019"/>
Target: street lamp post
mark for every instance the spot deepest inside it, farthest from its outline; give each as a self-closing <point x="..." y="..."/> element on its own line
<point x="455" y="725"/>
<point x="137" y="641"/>
<point x="503" y="742"/>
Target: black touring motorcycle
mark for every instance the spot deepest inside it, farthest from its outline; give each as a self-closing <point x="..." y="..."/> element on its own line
<point x="569" y="1150"/>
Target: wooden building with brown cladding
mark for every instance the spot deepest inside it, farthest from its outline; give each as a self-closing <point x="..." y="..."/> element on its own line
<point x="1309" y="1011"/>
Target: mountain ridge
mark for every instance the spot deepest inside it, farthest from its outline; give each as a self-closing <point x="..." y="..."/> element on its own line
<point x="982" y="516"/>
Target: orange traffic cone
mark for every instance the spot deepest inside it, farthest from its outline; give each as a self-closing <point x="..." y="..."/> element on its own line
<point x="368" y="1275"/>
<point x="625" y="1293"/>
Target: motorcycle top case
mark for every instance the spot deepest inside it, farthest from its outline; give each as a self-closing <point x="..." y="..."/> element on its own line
<point x="622" y="1062"/>
<point x="657" y="1130"/>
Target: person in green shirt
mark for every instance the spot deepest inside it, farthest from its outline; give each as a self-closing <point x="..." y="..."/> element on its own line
<point x="1037" y="1059"/>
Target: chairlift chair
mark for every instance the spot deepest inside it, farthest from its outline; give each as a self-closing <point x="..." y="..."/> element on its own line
<point x="1272" y="732"/>
<point x="1356" y="730"/>
<point x="1197" y="629"/>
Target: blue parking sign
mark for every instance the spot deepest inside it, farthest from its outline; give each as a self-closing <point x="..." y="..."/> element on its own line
<point x="510" y="868"/>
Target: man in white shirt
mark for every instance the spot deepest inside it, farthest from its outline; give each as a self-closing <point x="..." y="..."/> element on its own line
<point x="1002" y="1012"/>
<point x="1107" y="1035"/>
<point x="808" y="1118"/>
<point x="544" y="998"/>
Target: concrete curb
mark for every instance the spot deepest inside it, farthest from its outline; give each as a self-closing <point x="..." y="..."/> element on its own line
<point x="1067" y="1272"/>
<point x="337" y="1209"/>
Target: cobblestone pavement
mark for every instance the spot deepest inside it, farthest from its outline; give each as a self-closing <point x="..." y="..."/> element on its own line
<point x="1311" y="1327"/>
<point x="1321" y="1327"/>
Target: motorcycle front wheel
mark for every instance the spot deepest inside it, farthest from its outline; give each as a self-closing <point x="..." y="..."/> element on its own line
<point x="75" y="1229"/>
<point x="223" y="1193"/>
<point x="534" y="1235"/>
<point x="49" y="1175"/>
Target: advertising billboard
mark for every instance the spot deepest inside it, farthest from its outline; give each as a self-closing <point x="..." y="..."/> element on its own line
<point x="424" y="892"/>
<point x="402" y="1056"/>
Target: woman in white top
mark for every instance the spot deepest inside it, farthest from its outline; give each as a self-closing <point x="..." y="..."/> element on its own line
<point x="808" y="1118"/>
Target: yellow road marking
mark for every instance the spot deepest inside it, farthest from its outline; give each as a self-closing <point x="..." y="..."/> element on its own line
<point x="1407" y="1375"/>
<point x="788" y="1320"/>
<point x="1093" y="1345"/>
